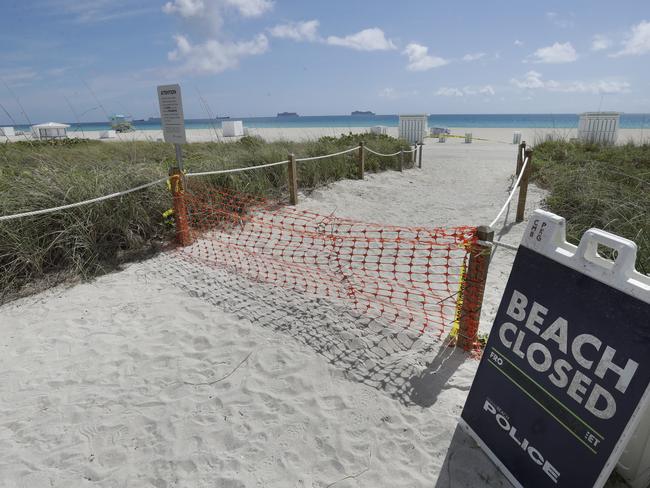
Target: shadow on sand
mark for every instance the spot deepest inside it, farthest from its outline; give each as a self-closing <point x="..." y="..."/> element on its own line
<point x="370" y="351"/>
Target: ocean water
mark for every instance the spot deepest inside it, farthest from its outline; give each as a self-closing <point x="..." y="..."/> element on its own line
<point x="560" y="121"/>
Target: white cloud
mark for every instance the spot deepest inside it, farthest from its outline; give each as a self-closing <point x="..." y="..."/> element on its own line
<point x="214" y="56"/>
<point x="638" y="40"/>
<point x="473" y="56"/>
<point x="366" y="40"/>
<point x="297" y="31"/>
<point x="557" y="53"/>
<point x="185" y="8"/>
<point x="18" y="76"/>
<point x="449" y="92"/>
<point x="92" y="11"/>
<point x="420" y="59"/>
<point x="466" y="91"/>
<point x="251" y="8"/>
<point x="395" y="94"/>
<point x="600" y="43"/>
<point x="534" y="80"/>
<point x="559" y="21"/>
<point x="198" y="8"/>
<point x="486" y="90"/>
<point x="519" y="43"/>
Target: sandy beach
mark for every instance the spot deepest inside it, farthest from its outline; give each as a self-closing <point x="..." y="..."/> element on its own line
<point x="168" y="374"/>
<point x="530" y="135"/>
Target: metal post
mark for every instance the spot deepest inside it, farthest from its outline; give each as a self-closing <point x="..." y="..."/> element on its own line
<point x="523" y="186"/>
<point x="420" y="156"/>
<point x="361" y="161"/>
<point x="401" y="160"/>
<point x="179" y="157"/>
<point x="292" y="174"/>
<point x="473" y="289"/>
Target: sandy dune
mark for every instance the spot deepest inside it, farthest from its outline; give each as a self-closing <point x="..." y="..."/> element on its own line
<point x="169" y="374"/>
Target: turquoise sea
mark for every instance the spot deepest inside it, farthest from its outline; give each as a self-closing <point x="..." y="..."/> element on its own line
<point x="560" y="121"/>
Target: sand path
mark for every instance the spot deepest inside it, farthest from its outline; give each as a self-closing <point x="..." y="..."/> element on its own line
<point x="170" y="375"/>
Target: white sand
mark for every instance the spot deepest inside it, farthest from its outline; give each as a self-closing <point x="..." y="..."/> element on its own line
<point x="170" y="375"/>
<point x="530" y="135"/>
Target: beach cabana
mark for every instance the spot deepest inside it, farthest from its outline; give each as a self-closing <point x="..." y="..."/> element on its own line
<point x="50" y="130"/>
<point x="232" y="128"/>
<point x="413" y="128"/>
<point x="7" y="132"/>
<point x="599" y="127"/>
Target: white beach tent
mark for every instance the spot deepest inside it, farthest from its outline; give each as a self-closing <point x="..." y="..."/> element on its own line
<point x="50" y="130"/>
<point x="7" y="132"/>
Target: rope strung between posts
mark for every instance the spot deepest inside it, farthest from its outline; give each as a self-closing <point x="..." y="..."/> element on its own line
<point x="203" y="173"/>
<point x="512" y="193"/>
<point x="79" y="204"/>
<point x="498" y="243"/>
<point x="236" y="170"/>
<point x="313" y="158"/>
<point x="380" y="154"/>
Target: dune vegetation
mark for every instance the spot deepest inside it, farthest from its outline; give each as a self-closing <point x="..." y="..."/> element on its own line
<point x="86" y="241"/>
<point x="607" y="187"/>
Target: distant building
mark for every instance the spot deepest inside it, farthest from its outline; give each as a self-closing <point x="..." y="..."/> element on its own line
<point x="50" y="130"/>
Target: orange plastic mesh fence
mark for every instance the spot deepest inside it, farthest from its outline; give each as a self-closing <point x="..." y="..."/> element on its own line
<point x="409" y="276"/>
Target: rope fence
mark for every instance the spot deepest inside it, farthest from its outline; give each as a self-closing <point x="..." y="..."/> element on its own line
<point x="423" y="279"/>
<point x="203" y="173"/>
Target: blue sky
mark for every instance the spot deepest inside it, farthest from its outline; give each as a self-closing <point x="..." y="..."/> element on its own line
<point x="259" y="57"/>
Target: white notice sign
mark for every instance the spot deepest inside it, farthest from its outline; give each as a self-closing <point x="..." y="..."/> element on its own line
<point x="171" y="113"/>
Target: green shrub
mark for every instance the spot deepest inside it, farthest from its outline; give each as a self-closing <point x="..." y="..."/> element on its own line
<point x="96" y="238"/>
<point x="599" y="186"/>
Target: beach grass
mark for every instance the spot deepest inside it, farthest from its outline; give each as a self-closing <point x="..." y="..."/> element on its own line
<point x="607" y="187"/>
<point x="83" y="242"/>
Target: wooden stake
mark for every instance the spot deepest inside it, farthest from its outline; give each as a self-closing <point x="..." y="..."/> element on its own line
<point x="292" y="173"/>
<point x="523" y="186"/>
<point x="520" y="161"/>
<point x="361" y="161"/>
<point x="401" y="160"/>
<point x="183" y="236"/>
<point x="420" y="156"/>
<point x="473" y="290"/>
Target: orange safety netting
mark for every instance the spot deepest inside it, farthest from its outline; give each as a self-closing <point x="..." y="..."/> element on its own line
<point x="409" y="276"/>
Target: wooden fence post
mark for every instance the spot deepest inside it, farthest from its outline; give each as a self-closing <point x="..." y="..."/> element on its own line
<point x="520" y="160"/>
<point x="523" y="185"/>
<point x="420" y="156"/>
<point x="401" y="160"/>
<point x="473" y="289"/>
<point x="361" y="161"/>
<point x="292" y="174"/>
<point x="414" y="154"/>
<point x="180" y="209"/>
